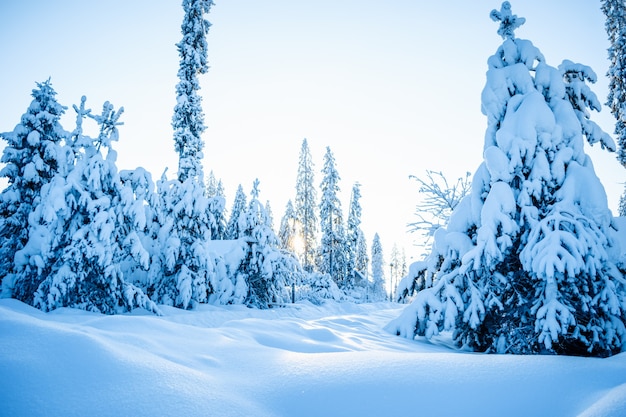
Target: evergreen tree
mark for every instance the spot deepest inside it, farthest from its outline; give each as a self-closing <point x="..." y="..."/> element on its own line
<point x="138" y="207"/>
<point x="306" y="207"/>
<point x="615" y="12"/>
<point x="526" y="263"/>
<point x="188" y="119"/>
<point x="287" y="233"/>
<point x="362" y="259"/>
<point x="352" y="236"/>
<point x="187" y="270"/>
<point x="378" y="274"/>
<point x="239" y="207"/>
<point x="33" y="155"/>
<point x="77" y="237"/>
<point x="266" y="269"/>
<point x="185" y="213"/>
<point x="332" y="247"/>
<point x="216" y="206"/>
<point x="395" y="266"/>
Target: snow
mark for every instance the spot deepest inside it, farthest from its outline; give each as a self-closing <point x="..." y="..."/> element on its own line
<point x="304" y="360"/>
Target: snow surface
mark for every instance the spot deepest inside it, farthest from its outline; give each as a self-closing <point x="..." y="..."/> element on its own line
<point x="301" y="360"/>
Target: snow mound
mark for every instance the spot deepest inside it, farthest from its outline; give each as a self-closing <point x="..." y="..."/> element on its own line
<point x="304" y="360"/>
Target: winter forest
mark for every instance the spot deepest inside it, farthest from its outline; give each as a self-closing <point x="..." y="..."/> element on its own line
<point x="524" y="255"/>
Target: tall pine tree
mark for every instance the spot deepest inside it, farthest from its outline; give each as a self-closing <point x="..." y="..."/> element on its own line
<point x="306" y="207"/>
<point x="378" y="272"/>
<point x="353" y="234"/>
<point x="332" y="247"/>
<point x="615" y="12"/>
<point x="188" y="120"/>
<point x="187" y="223"/>
<point x="526" y="264"/>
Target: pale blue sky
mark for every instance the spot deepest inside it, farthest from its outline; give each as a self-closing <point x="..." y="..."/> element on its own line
<point x="392" y="87"/>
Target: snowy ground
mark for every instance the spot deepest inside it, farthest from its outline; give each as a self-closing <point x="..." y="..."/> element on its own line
<point x="299" y="361"/>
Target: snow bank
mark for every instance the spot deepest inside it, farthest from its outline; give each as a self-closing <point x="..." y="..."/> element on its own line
<point x="304" y="360"/>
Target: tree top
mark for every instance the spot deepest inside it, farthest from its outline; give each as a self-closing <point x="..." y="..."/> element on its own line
<point x="508" y="21"/>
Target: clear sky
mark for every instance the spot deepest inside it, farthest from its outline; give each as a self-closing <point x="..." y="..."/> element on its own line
<point x="393" y="87"/>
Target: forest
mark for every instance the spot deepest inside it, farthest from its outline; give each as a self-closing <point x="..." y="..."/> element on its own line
<point x="528" y="259"/>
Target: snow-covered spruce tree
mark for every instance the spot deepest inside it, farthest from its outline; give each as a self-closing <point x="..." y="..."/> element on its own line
<point x="33" y="155"/>
<point x="138" y="210"/>
<point x="239" y="207"/>
<point x="378" y="274"/>
<point x="188" y="271"/>
<point x="287" y="232"/>
<point x="217" y="207"/>
<point x="188" y="119"/>
<point x="77" y="237"/>
<point x="615" y="12"/>
<point x="526" y="263"/>
<point x="266" y="269"/>
<point x="352" y="237"/>
<point x="362" y="259"/>
<point x="332" y="247"/>
<point x="306" y="207"/>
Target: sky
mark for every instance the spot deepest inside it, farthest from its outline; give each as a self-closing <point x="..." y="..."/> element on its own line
<point x="393" y="88"/>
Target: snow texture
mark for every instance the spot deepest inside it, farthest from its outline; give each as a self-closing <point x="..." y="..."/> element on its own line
<point x="301" y="360"/>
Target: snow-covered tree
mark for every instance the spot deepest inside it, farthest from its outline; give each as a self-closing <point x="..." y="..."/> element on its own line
<point x="306" y="207"/>
<point x="187" y="270"/>
<point x="332" y="247"/>
<point x="33" y="155"/>
<point x="185" y="213"/>
<point x="217" y="207"/>
<point x="188" y="119"/>
<point x="615" y="12"/>
<point x="526" y="263"/>
<point x="138" y="212"/>
<point x="378" y="274"/>
<point x="288" y="229"/>
<point x="266" y="269"/>
<point x="239" y="207"/>
<point x="353" y="233"/>
<point x="362" y="259"/>
<point x="77" y="237"/>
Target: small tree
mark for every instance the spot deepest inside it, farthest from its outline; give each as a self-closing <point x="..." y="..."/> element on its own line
<point x="233" y="230"/>
<point x="287" y="233"/>
<point x="378" y="274"/>
<point x="266" y="269"/>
